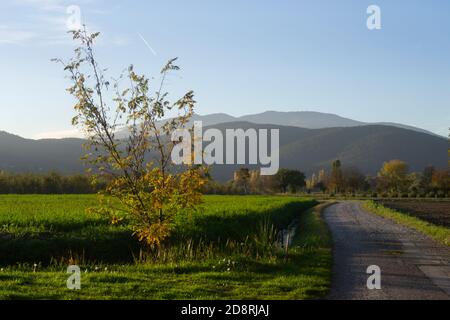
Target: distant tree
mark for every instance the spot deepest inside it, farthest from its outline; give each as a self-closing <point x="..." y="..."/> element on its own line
<point x="255" y="184"/>
<point x="427" y="174"/>
<point x="78" y="184"/>
<point x="283" y="179"/>
<point x="313" y="182"/>
<point x="5" y="183"/>
<point x="242" y="179"/>
<point x="322" y="176"/>
<point x="269" y="184"/>
<point x="354" y="180"/>
<point x="371" y="182"/>
<point x="52" y="183"/>
<point x="336" y="180"/>
<point x="415" y="183"/>
<point x="33" y="184"/>
<point x="262" y="184"/>
<point x="322" y="181"/>
<point x="441" y="181"/>
<point x="290" y="180"/>
<point x="426" y="179"/>
<point x="393" y="176"/>
<point x="317" y="181"/>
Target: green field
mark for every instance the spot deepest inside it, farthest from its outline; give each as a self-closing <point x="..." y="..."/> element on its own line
<point x="225" y="250"/>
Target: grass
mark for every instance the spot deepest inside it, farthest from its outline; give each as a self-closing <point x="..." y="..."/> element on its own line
<point x="43" y="229"/>
<point x="217" y="267"/>
<point x="439" y="233"/>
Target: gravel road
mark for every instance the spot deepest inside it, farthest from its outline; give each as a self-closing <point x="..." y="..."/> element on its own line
<point x="412" y="265"/>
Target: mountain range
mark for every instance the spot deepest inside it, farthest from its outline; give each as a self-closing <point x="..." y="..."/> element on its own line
<point x="309" y="141"/>
<point x="301" y="119"/>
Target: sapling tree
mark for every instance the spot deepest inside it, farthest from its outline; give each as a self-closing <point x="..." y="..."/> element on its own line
<point x="143" y="190"/>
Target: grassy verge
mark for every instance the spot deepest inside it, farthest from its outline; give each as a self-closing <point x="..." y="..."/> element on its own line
<point x="438" y="233"/>
<point x="305" y="273"/>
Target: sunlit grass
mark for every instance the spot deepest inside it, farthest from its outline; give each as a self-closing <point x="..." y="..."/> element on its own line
<point x="220" y="265"/>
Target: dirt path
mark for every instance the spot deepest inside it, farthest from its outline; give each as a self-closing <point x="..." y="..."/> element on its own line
<point x="412" y="265"/>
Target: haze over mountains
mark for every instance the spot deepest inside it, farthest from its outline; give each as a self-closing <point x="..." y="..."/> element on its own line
<point x="309" y="141"/>
<point x="364" y="147"/>
<point x="301" y="119"/>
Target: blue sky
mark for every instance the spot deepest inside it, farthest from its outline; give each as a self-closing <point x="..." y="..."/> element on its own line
<point x="240" y="57"/>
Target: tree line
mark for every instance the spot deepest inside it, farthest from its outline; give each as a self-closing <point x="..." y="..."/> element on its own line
<point x="48" y="183"/>
<point x="248" y="181"/>
<point x="394" y="179"/>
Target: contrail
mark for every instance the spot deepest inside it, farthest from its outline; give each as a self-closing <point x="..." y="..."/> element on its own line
<point x="147" y="44"/>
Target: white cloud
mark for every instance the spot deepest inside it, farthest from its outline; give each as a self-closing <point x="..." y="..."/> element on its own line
<point x="40" y="20"/>
<point x="45" y="22"/>
<point x="13" y="36"/>
<point x="47" y="5"/>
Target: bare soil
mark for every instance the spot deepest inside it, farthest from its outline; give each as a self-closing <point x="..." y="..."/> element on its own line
<point x="435" y="212"/>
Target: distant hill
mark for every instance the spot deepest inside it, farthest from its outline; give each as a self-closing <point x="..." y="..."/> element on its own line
<point x="309" y="150"/>
<point x="301" y="119"/>
<point x="215" y="118"/>
<point x="25" y="155"/>
<point x="404" y="126"/>
<point x="365" y="147"/>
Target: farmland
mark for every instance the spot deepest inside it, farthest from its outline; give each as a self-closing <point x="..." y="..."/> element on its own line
<point x="409" y="217"/>
<point x="225" y="250"/>
<point x="435" y="212"/>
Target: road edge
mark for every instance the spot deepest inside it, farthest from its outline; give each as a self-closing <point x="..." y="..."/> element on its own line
<point x="322" y="237"/>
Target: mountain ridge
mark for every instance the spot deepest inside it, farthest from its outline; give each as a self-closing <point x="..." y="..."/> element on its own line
<point x="301" y="119"/>
<point x="364" y="147"/>
<point x="309" y="150"/>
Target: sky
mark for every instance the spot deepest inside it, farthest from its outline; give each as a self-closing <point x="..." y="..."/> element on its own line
<point x="240" y="57"/>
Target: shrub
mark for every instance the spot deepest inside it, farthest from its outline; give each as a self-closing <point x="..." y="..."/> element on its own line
<point x="393" y="195"/>
<point x="440" y="194"/>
